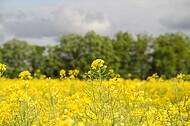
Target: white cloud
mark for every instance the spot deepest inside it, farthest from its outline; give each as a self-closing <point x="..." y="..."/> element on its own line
<point x="70" y="20"/>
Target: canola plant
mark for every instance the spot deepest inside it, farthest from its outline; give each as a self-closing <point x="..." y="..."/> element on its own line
<point x="102" y="98"/>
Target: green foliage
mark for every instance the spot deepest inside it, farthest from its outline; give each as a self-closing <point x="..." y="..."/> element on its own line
<point x="164" y="61"/>
<point x="78" y="51"/>
<point x="52" y="61"/>
<point x="97" y="46"/>
<point x="171" y="55"/>
<point x="72" y="49"/>
<point x="36" y="58"/>
<point x="15" y="54"/>
<point x="123" y="49"/>
<point x="140" y="55"/>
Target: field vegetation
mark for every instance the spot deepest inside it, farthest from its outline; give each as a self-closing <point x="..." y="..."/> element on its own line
<point x="101" y="98"/>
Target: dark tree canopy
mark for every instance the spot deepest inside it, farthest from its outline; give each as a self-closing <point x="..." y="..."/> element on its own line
<point x="141" y="55"/>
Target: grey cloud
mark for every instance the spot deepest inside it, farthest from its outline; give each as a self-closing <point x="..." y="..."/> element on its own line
<point x="33" y="28"/>
<point x="104" y="17"/>
<point x="22" y="24"/>
<point x="11" y="16"/>
<point x="181" y="23"/>
<point x="90" y="17"/>
<point x="64" y="20"/>
<point x="178" y="16"/>
<point x="186" y="2"/>
<point x="1" y="38"/>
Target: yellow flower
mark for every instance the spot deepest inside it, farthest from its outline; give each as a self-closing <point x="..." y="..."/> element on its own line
<point x="76" y="72"/>
<point x="25" y="75"/>
<point x="62" y="73"/>
<point x="97" y="62"/>
<point x="81" y="124"/>
<point x="67" y="122"/>
<point x="38" y="70"/>
<point x="89" y="72"/>
<point x="2" y="67"/>
<point x="111" y="70"/>
<point x="129" y="75"/>
<point x="73" y="73"/>
<point x="104" y="67"/>
<point x="35" y="74"/>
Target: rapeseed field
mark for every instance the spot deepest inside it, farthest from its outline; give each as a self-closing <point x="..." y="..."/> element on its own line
<point x="101" y="98"/>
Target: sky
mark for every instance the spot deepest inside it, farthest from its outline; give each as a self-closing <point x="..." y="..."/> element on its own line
<point x="42" y="22"/>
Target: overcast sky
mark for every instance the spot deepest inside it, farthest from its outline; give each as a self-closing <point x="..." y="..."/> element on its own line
<point x="42" y="22"/>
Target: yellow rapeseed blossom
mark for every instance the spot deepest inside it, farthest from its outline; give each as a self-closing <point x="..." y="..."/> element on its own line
<point x="89" y="72"/>
<point x="111" y="70"/>
<point x="76" y="72"/>
<point x="97" y="62"/>
<point x="62" y="73"/>
<point x="2" y="67"/>
<point x="95" y="100"/>
<point x="67" y="122"/>
<point x="129" y="74"/>
<point x="25" y="75"/>
<point x="104" y="67"/>
<point x="35" y="74"/>
<point x="38" y="70"/>
<point x="73" y="73"/>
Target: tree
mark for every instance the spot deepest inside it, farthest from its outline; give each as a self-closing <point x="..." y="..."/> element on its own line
<point x="122" y="51"/>
<point x="187" y="41"/>
<point x="98" y="46"/>
<point x="78" y="51"/>
<point x="181" y="50"/>
<point x="36" y="58"/>
<point x="15" y="54"/>
<point x="73" y="50"/>
<point x="164" y="57"/>
<point x="52" y="61"/>
<point x="140" y="56"/>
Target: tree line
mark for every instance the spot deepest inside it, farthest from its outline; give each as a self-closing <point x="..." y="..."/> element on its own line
<point x="140" y="55"/>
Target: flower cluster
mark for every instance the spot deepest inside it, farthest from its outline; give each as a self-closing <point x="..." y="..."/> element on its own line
<point x="111" y="101"/>
<point x="97" y="63"/>
<point x="2" y="67"/>
<point x="62" y="73"/>
<point x="73" y="73"/>
<point x="25" y="75"/>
